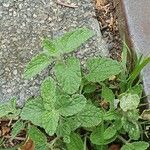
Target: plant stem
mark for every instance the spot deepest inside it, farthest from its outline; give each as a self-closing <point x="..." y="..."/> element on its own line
<point x="122" y="139"/>
<point x="53" y="142"/>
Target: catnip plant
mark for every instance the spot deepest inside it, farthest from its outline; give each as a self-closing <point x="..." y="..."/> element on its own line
<point x="98" y="106"/>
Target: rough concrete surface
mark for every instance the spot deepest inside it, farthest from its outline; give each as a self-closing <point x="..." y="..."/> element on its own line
<point x="22" y="25"/>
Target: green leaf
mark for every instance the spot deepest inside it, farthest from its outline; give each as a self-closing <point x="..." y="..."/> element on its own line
<point x="110" y="115"/>
<point x="38" y="138"/>
<point x="33" y="111"/>
<point x="137" y="89"/>
<point x="64" y="130"/>
<point x="109" y="133"/>
<point x="132" y="128"/>
<point x="68" y="75"/>
<point x="101" y="69"/>
<point x="146" y="114"/>
<point x="108" y="94"/>
<point x="17" y="127"/>
<point x="90" y="116"/>
<point x="99" y="137"/>
<point x="71" y="105"/>
<point x="8" y="107"/>
<point x="36" y="65"/>
<point x="72" y="40"/>
<point x="68" y="42"/>
<point x="76" y="142"/>
<point x="48" y="93"/>
<point x="128" y="146"/>
<point x="50" y="121"/>
<point x="89" y="88"/>
<point x="140" y="145"/>
<point x="50" y="48"/>
<point x="129" y="101"/>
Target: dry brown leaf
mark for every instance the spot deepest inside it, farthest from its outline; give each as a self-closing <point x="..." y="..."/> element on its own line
<point x="5" y="130"/>
<point x="100" y="3"/>
<point x="29" y="145"/>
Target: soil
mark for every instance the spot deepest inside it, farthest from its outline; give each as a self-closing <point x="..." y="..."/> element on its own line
<point x="106" y="15"/>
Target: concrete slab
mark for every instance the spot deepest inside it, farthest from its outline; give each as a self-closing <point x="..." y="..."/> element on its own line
<point x="136" y="14"/>
<point x="22" y="25"/>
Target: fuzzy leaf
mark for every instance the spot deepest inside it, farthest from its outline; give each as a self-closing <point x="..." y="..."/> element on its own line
<point x="99" y="137"/>
<point x="48" y="93"/>
<point x="110" y="132"/>
<point x="33" y="111"/>
<point x="129" y="101"/>
<point x="101" y="69"/>
<point x="7" y="108"/>
<point x="140" y="145"/>
<point x="71" y="105"/>
<point x="68" y="75"/>
<point x="17" y="127"/>
<point x="72" y="40"/>
<point x="50" y="121"/>
<point x="90" y="116"/>
<point x="107" y="94"/>
<point x="132" y="128"/>
<point x="76" y="142"/>
<point x="50" y="48"/>
<point x="38" y="138"/>
<point x="67" y="43"/>
<point x="36" y="65"/>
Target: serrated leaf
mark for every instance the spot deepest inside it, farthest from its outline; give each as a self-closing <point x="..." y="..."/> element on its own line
<point x="38" y="138"/>
<point x="101" y="69"/>
<point x="17" y="127"/>
<point x="89" y="88"/>
<point x="137" y="89"/>
<point x="36" y="65"/>
<point x="50" y="48"/>
<point x="90" y="116"/>
<point x="68" y="75"/>
<point x="132" y="128"/>
<point x="109" y="133"/>
<point x="71" y="105"/>
<point x="76" y="142"/>
<point x="67" y="43"/>
<point x="146" y="114"/>
<point x="8" y="107"/>
<point x="48" y="93"/>
<point x="72" y="40"/>
<point x="128" y="146"/>
<point x="73" y="123"/>
<point x="33" y="111"/>
<point x="140" y="145"/>
<point x="108" y="94"/>
<point x="110" y="115"/>
<point x="129" y="101"/>
<point x="97" y="136"/>
<point x="64" y="130"/>
<point x="50" y="121"/>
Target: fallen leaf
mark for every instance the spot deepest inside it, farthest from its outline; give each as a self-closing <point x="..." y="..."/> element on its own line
<point x="5" y="130"/>
<point x="28" y="145"/>
<point x="100" y="3"/>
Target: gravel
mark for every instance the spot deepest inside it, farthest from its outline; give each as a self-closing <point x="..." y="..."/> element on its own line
<point x="22" y="25"/>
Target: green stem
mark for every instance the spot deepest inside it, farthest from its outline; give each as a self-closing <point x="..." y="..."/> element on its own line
<point x="102" y="131"/>
<point x="122" y="139"/>
<point x="52" y="143"/>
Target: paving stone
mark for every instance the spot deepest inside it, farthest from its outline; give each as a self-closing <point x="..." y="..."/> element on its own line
<point x="136" y="14"/>
<point x="22" y="25"/>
